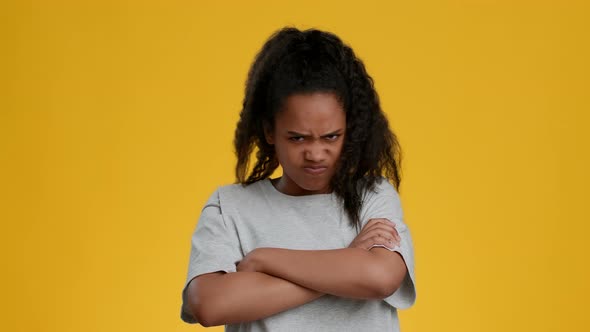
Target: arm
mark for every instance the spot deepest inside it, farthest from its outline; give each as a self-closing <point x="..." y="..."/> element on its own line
<point x="348" y="272"/>
<point x="225" y="298"/>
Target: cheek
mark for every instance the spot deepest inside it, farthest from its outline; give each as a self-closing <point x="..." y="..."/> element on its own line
<point x="294" y="155"/>
<point x="336" y="149"/>
<point x="287" y="155"/>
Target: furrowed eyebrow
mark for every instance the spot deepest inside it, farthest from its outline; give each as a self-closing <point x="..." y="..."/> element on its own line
<point x="337" y="132"/>
<point x="294" y="133"/>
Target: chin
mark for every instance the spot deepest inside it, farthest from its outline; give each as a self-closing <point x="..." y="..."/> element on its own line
<point x="313" y="185"/>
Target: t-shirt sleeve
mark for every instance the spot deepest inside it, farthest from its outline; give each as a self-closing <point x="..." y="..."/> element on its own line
<point x="215" y="247"/>
<point x="385" y="203"/>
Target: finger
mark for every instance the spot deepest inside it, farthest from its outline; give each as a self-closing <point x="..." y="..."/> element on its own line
<point x="379" y="222"/>
<point x="373" y="222"/>
<point x="383" y="233"/>
<point x="383" y="227"/>
<point x="379" y="240"/>
<point x="389" y="242"/>
<point x="388" y="223"/>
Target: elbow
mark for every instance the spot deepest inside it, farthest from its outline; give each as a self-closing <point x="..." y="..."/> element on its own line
<point x="388" y="272"/>
<point x="204" y="314"/>
<point x="388" y="290"/>
<point x="204" y="317"/>
<point x="383" y="287"/>
<point x="387" y="287"/>
<point x="386" y="282"/>
<point x="203" y="311"/>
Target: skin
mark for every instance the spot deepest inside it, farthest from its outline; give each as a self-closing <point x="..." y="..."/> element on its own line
<point x="309" y="133"/>
<point x="272" y="280"/>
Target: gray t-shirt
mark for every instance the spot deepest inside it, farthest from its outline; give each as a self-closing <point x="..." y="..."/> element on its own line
<point x="235" y="220"/>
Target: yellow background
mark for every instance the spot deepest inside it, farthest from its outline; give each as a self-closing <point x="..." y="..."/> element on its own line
<point x="117" y="123"/>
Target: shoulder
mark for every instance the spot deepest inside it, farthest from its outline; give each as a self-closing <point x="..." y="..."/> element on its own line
<point x="238" y="189"/>
<point x="380" y="188"/>
<point x="236" y="193"/>
<point x="382" y="201"/>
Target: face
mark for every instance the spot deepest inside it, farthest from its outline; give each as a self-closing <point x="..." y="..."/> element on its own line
<point x="308" y="137"/>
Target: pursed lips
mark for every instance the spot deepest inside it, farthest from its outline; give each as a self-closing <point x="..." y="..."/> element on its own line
<point x="315" y="169"/>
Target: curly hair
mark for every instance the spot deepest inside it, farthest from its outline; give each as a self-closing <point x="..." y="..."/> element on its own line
<point x="291" y="62"/>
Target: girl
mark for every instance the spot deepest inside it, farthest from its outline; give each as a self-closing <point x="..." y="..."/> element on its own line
<point x="324" y="246"/>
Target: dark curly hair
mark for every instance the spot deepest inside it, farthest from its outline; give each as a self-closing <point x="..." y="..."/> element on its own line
<point x="293" y="62"/>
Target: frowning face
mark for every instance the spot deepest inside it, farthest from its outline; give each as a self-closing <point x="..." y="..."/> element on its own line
<point x="308" y="137"/>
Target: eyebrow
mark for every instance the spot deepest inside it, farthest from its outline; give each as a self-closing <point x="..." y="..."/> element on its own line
<point x="294" y="133"/>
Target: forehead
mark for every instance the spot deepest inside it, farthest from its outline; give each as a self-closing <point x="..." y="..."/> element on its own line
<point x="315" y="112"/>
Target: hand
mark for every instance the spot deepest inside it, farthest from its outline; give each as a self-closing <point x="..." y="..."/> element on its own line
<point x="377" y="231"/>
<point x="250" y="263"/>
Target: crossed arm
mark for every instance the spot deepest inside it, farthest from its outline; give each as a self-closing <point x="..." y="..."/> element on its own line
<point x="271" y="280"/>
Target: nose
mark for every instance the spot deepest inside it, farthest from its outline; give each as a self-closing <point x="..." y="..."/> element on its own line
<point x="315" y="152"/>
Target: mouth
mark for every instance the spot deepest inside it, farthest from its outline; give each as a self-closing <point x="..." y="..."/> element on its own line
<point x="315" y="169"/>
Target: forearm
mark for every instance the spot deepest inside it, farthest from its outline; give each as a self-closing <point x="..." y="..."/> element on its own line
<point x="247" y="296"/>
<point x="347" y="272"/>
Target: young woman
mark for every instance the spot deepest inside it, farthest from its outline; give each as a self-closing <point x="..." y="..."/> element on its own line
<point x="324" y="246"/>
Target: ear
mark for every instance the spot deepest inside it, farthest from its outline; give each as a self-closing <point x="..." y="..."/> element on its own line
<point x="268" y="135"/>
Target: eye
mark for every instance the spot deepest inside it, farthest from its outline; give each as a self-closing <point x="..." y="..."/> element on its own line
<point x="296" y="138"/>
<point x="332" y="137"/>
